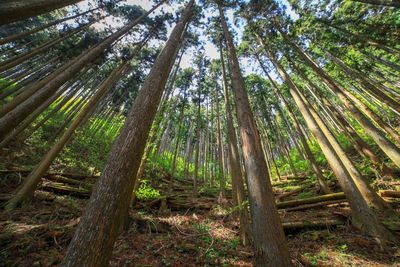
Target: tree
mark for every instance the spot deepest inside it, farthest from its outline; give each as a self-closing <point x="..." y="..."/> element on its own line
<point x="101" y="222"/>
<point x="11" y="11"/>
<point x="267" y="232"/>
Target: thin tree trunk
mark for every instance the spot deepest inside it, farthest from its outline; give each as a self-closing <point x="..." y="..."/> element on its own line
<point x="23" y="34"/>
<point x="234" y="160"/>
<point x="13" y="118"/>
<point x="358" y="193"/>
<point x="384" y="143"/>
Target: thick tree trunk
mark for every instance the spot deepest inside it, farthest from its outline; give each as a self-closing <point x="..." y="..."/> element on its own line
<point x="101" y="222"/>
<point x="15" y="10"/>
<point x="267" y="233"/>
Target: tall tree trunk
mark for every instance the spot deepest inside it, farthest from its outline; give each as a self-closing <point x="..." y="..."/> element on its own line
<point x="219" y="144"/>
<point x="317" y="170"/>
<point x="15" y="10"/>
<point x="25" y="192"/>
<point x="234" y="160"/>
<point x="267" y="233"/>
<point x="360" y="145"/>
<point x="48" y="87"/>
<point x="383" y="142"/>
<point x="23" y="34"/>
<point x="100" y="224"/>
<point x="358" y="193"/>
<point x="390" y="3"/>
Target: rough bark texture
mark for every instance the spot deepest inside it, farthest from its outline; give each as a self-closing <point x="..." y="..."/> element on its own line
<point x="392" y="3"/>
<point x="25" y="193"/>
<point x="234" y="160"/>
<point x="384" y="143"/>
<point x="11" y="11"/>
<point x="30" y="99"/>
<point x="101" y="222"/>
<point x="357" y="192"/>
<point x="268" y="237"/>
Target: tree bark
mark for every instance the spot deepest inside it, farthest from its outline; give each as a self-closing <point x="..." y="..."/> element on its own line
<point x="358" y="193"/>
<point x="233" y="154"/>
<point x="267" y="233"/>
<point x="25" y="193"/>
<point x="100" y="224"/>
<point x="15" y="10"/>
<point x="383" y="142"/>
<point x="17" y="113"/>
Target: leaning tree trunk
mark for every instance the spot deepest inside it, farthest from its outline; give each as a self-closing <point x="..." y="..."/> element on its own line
<point x="317" y="170"/>
<point x="377" y="92"/>
<point x="268" y="237"/>
<point x="101" y="222"/>
<point x="358" y="193"/>
<point x="25" y="192"/>
<point x="26" y="102"/>
<point x="390" y="3"/>
<point x="360" y="145"/>
<point x="390" y="149"/>
<point x="23" y="34"/>
<point x="15" y="10"/>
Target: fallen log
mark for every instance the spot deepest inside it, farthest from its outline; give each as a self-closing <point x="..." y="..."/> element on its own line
<point x="69" y="175"/>
<point x="287" y="194"/>
<point x="65" y="189"/>
<point x="62" y="179"/>
<point x="298" y="202"/>
<point x="392" y="225"/>
<point x="299" y="225"/>
<point x="316" y="205"/>
<point x="389" y="193"/>
<point x="5" y="197"/>
<point x="290" y="182"/>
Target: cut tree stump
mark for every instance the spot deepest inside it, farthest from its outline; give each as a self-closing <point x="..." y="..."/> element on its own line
<point x="311" y="200"/>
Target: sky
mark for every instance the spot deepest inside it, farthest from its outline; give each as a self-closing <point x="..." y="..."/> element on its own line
<point x="210" y="50"/>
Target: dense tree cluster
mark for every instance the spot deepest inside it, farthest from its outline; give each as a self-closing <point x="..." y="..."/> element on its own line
<point x="104" y="80"/>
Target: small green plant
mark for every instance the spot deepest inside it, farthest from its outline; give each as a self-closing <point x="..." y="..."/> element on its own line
<point x="146" y="192"/>
<point x="234" y="243"/>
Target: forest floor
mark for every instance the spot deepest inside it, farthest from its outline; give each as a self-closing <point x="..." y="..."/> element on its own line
<point x="187" y="231"/>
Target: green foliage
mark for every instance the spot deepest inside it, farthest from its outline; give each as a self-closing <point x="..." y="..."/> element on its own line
<point x="146" y="192"/>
